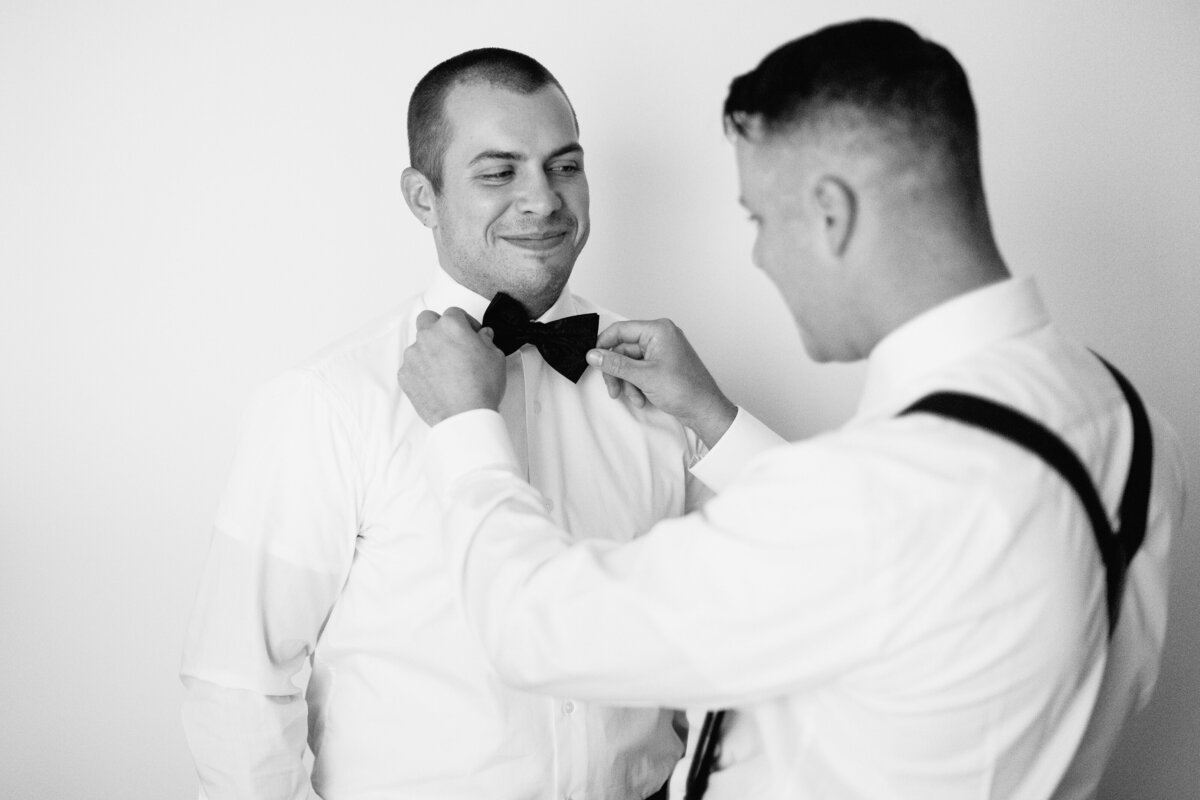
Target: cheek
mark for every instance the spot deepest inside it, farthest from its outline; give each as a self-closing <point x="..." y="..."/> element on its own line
<point x="770" y="254"/>
<point x="478" y="218"/>
<point x="577" y="200"/>
<point x="576" y="203"/>
<point x="491" y="216"/>
<point x="778" y="258"/>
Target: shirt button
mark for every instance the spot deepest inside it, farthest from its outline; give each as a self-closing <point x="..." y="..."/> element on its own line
<point x="548" y="505"/>
<point x="537" y="407"/>
<point x="568" y="707"/>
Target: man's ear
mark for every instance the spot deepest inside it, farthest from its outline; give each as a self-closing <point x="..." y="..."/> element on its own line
<point x="838" y="207"/>
<point x="418" y="193"/>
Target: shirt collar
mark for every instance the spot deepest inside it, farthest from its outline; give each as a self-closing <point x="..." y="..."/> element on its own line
<point x="945" y="334"/>
<point x="443" y="292"/>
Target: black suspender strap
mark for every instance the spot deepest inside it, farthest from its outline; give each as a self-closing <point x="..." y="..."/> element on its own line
<point x="1116" y="548"/>
<point x="705" y="756"/>
<point x="1135" y="502"/>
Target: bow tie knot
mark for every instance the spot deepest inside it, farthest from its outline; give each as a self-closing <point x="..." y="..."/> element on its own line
<point x="563" y="343"/>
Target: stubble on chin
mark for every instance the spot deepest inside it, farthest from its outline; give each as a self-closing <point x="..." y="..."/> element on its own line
<point x="536" y="295"/>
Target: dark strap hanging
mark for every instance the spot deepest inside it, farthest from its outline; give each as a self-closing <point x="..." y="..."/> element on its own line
<point x="1117" y="548"/>
<point x="705" y="757"/>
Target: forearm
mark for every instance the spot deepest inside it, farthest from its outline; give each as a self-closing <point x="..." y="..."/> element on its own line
<point x="245" y="744"/>
<point x="619" y="624"/>
<point x="614" y="642"/>
<point x="255" y="622"/>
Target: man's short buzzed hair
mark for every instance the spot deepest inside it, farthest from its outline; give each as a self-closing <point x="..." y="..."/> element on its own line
<point x="877" y="72"/>
<point x="428" y="129"/>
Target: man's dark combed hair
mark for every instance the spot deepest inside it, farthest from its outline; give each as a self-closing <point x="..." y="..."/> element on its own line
<point x="896" y="79"/>
<point x="428" y="129"/>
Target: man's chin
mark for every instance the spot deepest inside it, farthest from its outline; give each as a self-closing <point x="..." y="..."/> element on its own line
<point x="536" y="295"/>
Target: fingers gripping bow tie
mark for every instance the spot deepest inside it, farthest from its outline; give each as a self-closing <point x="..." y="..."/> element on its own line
<point x="563" y="343"/>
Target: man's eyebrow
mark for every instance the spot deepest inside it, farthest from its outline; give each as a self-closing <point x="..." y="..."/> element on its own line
<point x="573" y="147"/>
<point x="505" y="155"/>
<point x="495" y="155"/>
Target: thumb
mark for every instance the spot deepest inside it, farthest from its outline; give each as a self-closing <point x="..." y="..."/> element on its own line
<point x="615" y="364"/>
<point x="426" y="318"/>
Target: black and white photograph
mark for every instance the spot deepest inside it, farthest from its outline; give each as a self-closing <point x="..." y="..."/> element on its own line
<point x="616" y="400"/>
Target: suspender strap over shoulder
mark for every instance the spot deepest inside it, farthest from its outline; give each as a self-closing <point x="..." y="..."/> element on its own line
<point x="1116" y="548"/>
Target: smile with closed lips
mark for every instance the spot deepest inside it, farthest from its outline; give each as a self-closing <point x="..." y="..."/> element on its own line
<point x="547" y="240"/>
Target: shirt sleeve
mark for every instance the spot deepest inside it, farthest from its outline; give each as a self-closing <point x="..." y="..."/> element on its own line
<point x="661" y="620"/>
<point x="280" y="551"/>
<point x="746" y="439"/>
<point x="696" y="491"/>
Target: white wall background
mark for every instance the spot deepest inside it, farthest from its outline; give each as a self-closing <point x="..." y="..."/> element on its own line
<point x="194" y="195"/>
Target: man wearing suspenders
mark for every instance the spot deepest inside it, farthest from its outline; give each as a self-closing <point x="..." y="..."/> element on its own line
<point x="961" y="593"/>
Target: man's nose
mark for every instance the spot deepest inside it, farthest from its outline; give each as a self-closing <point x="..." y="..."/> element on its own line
<point x="538" y="196"/>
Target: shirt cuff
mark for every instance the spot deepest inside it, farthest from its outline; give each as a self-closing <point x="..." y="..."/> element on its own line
<point x="467" y="442"/>
<point x="745" y="439"/>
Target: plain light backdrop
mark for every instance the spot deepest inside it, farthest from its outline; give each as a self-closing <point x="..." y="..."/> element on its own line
<point x="194" y="195"/>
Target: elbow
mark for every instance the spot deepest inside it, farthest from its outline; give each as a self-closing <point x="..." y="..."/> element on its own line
<point x="519" y="663"/>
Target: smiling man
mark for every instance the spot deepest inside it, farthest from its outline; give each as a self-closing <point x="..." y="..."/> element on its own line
<point x="508" y="204"/>
<point x="327" y="546"/>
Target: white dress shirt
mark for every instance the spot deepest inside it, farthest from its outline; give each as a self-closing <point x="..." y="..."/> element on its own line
<point x="903" y="608"/>
<point x="327" y="546"/>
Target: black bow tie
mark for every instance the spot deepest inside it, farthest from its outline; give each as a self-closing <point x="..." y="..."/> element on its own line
<point x="563" y="343"/>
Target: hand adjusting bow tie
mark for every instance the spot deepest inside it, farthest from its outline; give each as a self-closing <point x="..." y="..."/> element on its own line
<point x="563" y="343"/>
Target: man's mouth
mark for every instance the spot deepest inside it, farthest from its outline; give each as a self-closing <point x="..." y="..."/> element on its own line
<point x="537" y="242"/>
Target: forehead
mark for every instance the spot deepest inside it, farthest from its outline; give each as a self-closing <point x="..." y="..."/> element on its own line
<point x="483" y="117"/>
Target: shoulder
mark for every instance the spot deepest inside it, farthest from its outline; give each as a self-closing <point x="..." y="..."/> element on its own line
<point x="1171" y="476"/>
<point x="888" y="475"/>
<point x="363" y="364"/>
<point x="364" y="352"/>
<point x="342" y="381"/>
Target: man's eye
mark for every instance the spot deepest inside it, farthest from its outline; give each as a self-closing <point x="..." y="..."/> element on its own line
<point x="566" y="169"/>
<point x="498" y="175"/>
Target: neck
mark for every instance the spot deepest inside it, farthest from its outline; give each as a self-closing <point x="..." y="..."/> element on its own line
<point x="535" y="302"/>
<point x="923" y="280"/>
